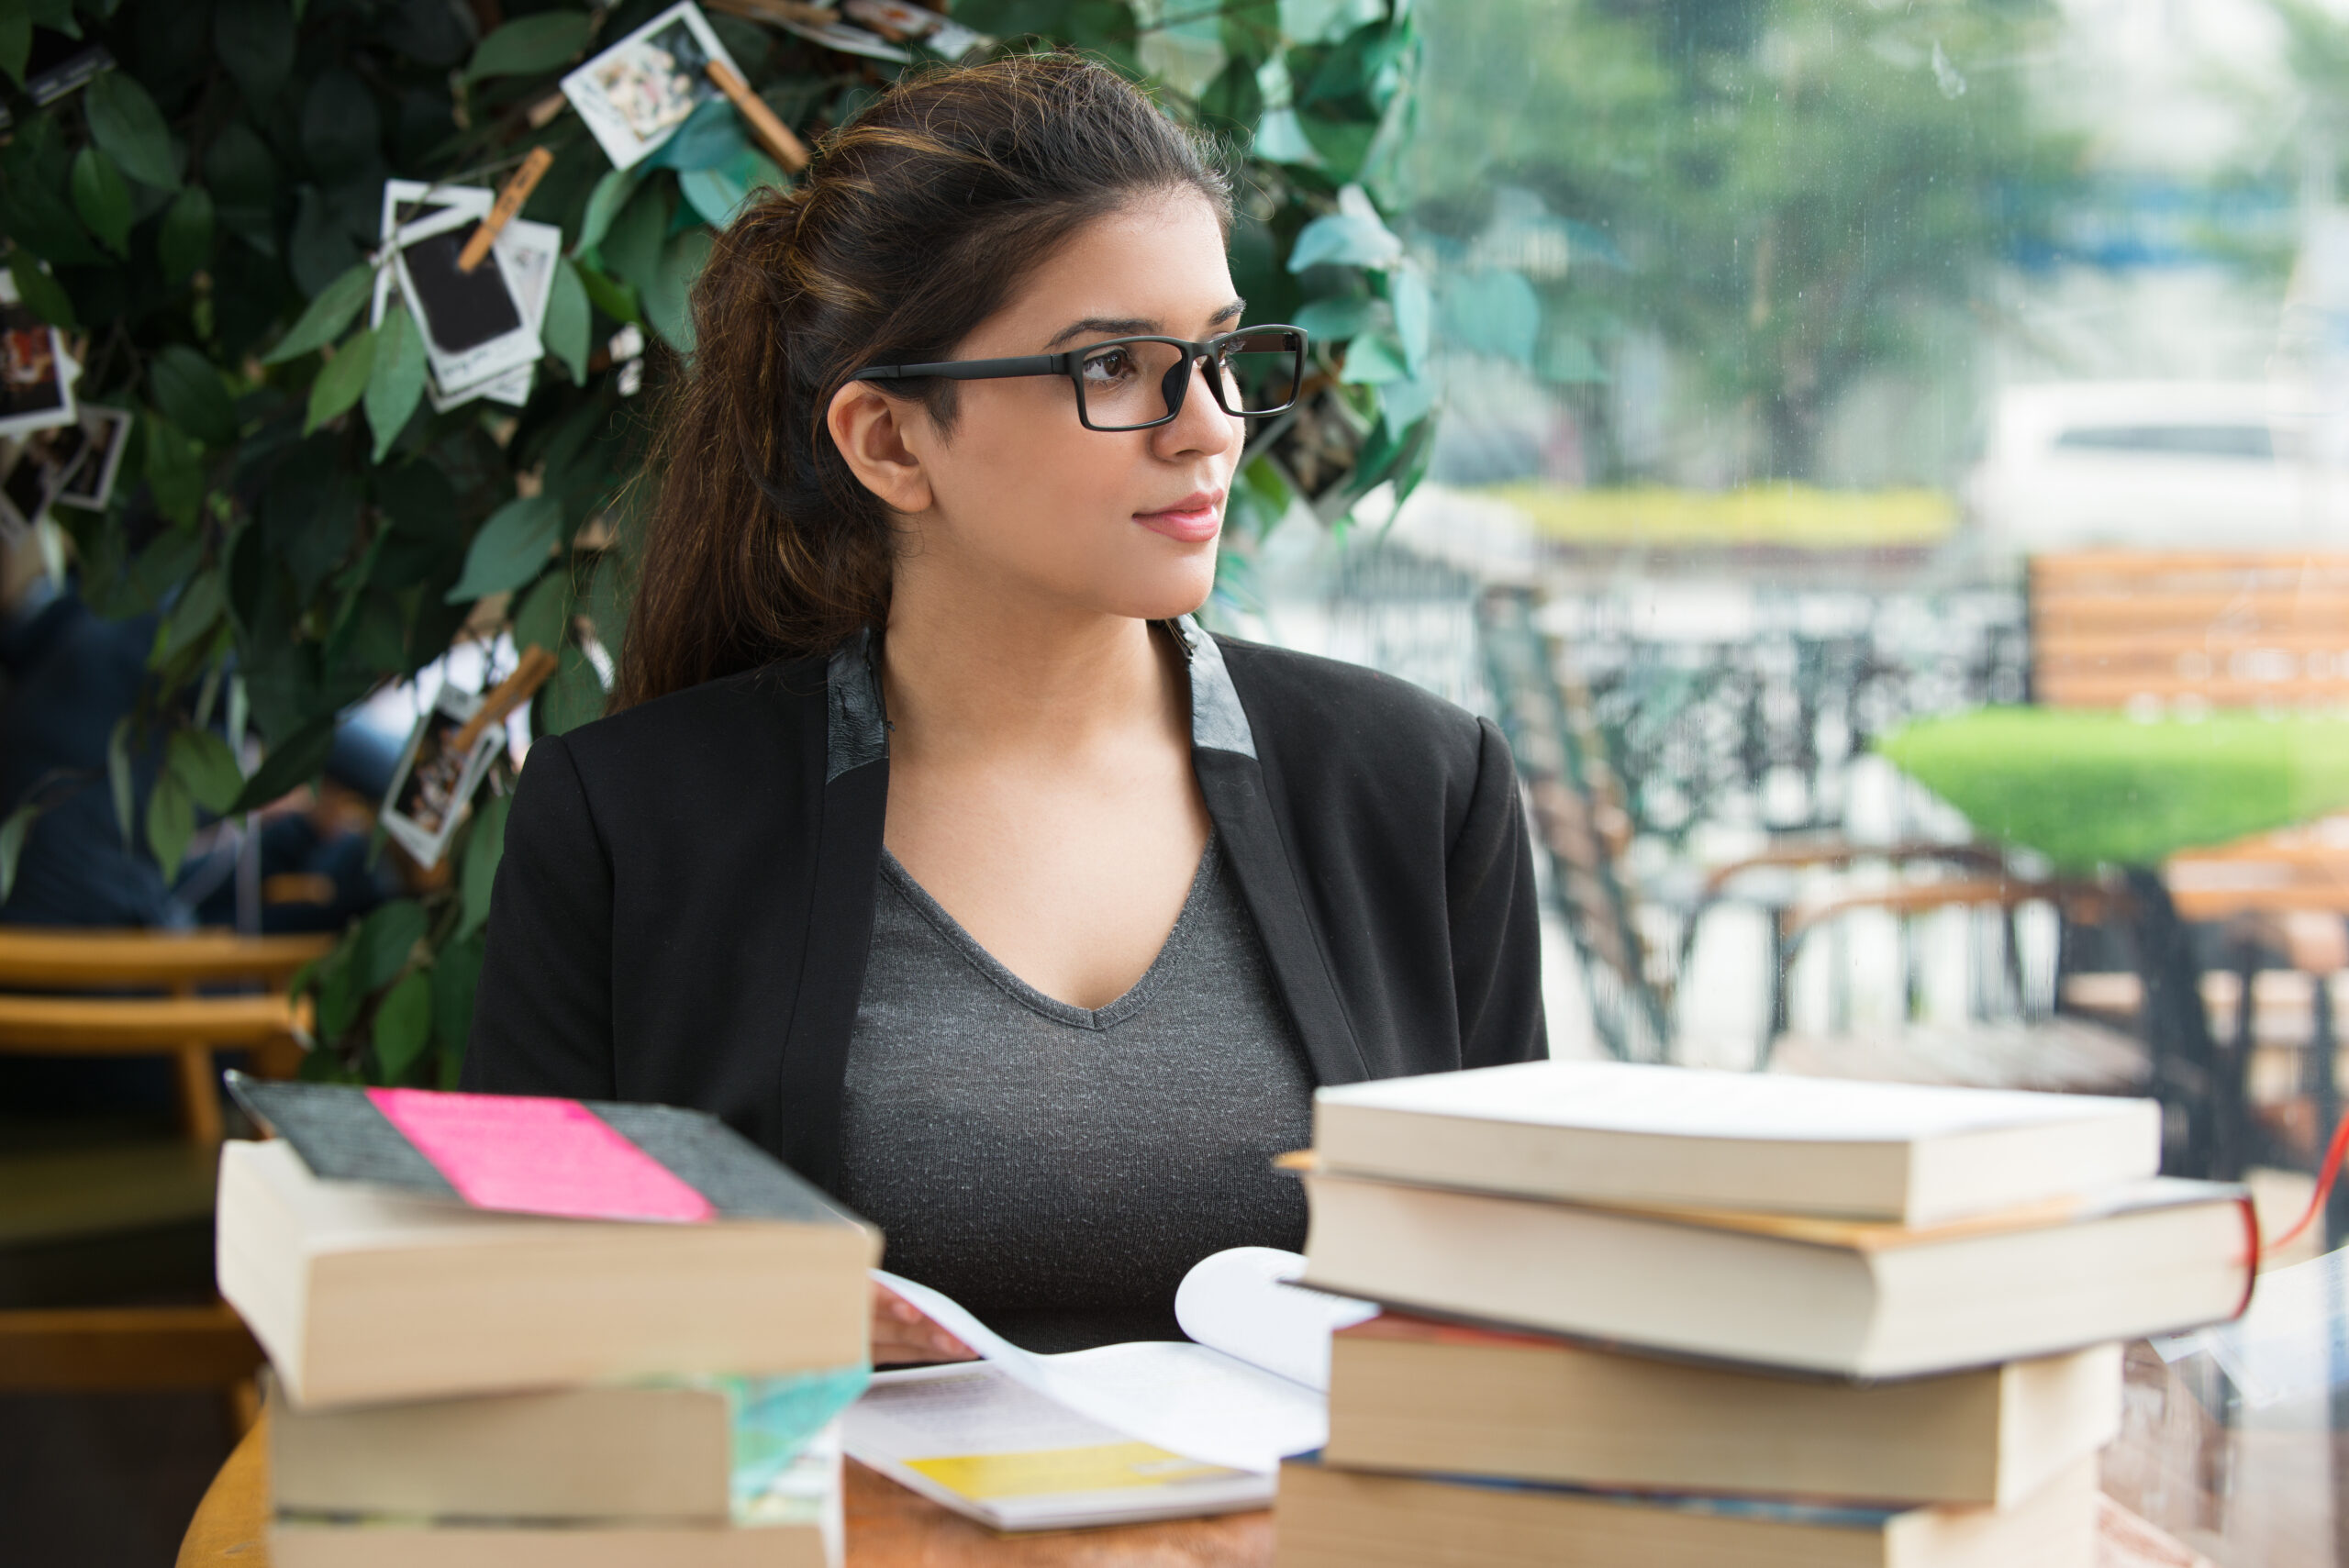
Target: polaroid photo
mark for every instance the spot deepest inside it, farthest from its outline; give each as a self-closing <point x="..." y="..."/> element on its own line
<point x="35" y="373"/>
<point x="529" y="252"/>
<point x="92" y="447"/>
<point x="26" y="485"/>
<point x="474" y="328"/>
<point x="848" y="40"/>
<point x="74" y="464"/>
<point x="895" y="19"/>
<point x="636" y="93"/>
<point x="433" y="782"/>
<point x="413" y="200"/>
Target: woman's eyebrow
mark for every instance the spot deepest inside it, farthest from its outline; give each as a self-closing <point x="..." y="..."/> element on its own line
<point x="1133" y="327"/>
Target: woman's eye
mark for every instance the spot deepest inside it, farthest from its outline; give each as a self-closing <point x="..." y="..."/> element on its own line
<point x="1115" y="364"/>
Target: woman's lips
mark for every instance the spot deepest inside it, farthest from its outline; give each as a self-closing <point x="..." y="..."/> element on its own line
<point x="1194" y="520"/>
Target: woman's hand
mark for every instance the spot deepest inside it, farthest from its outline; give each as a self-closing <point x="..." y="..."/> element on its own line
<point x="901" y="1334"/>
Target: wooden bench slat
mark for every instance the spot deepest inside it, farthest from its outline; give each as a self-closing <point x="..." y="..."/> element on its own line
<point x="51" y="960"/>
<point x="126" y="1347"/>
<point x="142" y="1025"/>
<point x="2055" y="689"/>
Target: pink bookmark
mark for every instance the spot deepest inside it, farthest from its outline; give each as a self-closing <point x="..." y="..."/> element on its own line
<point x="537" y="1156"/>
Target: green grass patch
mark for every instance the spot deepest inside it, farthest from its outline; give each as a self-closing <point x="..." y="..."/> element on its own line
<point x="1792" y="516"/>
<point x="2087" y="789"/>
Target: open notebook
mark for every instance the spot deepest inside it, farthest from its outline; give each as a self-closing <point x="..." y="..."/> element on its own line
<point x="1152" y="1429"/>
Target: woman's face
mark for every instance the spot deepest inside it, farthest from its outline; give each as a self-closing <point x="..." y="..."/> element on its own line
<point x="1018" y="498"/>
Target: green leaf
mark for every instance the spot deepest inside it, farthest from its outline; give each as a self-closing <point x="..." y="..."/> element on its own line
<point x="203" y="762"/>
<point x="545" y="610"/>
<point x="254" y="39"/>
<point x="1374" y="357"/>
<point x="336" y="307"/>
<point x="102" y="199"/>
<point x="395" y="384"/>
<point x="568" y="323"/>
<point x="13" y="830"/>
<point x="608" y="294"/>
<point x="125" y="121"/>
<point x="185" y="242"/>
<point x="667" y="303"/>
<point x="1347" y="239"/>
<point x="119" y="779"/>
<point x="387" y="940"/>
<point x="189" y="392"/>
<point x="605" y="203"/>
<point x="38" y="216"/>
<point x="1414" y="315"/>
<point x="482" y="850"/>
<point x="40" y="290"/>
<point x="175" y="472"/>
<point x="342" y="130"/>
<point x="530" y="45"/>
<point x="343" y="380"/>
<point x="1492" y="313"/>
<point x="710" y="137"/>
<point x="403" y="1025"/>
<point x="630" y="249"/>
<point x="171" y="823"/>
<point x="511" y="548"/>
<point x="292" y="762"/>
<point x="456" y="974"/>
<point x="574" y="697"/>
<point x="16" y="48"/>
<point x="195" y="613"/>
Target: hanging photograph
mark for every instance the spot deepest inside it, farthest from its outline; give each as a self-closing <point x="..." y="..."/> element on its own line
<point x="36" y="377"/>
<point x="474" y="327"/>
<point x="93" y="445"/>
<point x="435" y="780"/>
<point x="636" y="93"/>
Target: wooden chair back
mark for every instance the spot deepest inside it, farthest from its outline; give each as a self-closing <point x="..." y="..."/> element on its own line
<point x="83" y="992"/>
<point x="2212" y="629"/>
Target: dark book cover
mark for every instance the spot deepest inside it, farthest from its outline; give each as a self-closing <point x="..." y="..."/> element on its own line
<point x="572" y="1159"/>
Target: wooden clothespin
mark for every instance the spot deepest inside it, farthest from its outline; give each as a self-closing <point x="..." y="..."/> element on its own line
<point x="509" y="202"/>
<point x="509" y="693"/>
<point x="774" y="135"/>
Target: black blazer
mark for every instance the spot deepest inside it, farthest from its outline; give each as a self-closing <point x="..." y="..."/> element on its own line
<point x="686" y="901"/>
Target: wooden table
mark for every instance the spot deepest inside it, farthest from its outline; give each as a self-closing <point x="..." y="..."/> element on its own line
<point x="888" y="1526"/>
<point x="2245" y="1498"/>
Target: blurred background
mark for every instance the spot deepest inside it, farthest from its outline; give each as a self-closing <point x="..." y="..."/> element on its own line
<point x="1885" y="463"/>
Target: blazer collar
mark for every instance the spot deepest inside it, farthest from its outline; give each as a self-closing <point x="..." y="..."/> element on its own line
<point x="856" y="728"/>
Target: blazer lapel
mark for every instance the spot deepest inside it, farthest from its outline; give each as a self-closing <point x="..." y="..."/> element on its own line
<point x="1231" y="777"/>
<point x="840" y="912"/>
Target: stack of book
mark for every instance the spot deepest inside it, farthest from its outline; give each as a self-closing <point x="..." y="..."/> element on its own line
<point x="521" y="1333"/>
<point x="1648" y="1314"/>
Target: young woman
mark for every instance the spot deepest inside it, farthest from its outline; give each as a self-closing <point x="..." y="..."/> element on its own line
<point x="933" y="846"/>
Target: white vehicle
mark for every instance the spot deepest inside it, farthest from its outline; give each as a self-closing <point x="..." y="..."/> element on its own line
<point x="2154" y="465"/>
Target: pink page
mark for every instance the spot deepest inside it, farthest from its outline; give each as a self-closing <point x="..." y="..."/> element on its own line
<point x="537" y="1156"/>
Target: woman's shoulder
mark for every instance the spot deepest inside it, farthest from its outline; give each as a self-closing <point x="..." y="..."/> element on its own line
<point x="733" y="724"/>
<point x="1306" y="696"/>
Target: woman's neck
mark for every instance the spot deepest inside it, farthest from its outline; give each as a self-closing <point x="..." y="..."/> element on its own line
<point x="971" y="676"/>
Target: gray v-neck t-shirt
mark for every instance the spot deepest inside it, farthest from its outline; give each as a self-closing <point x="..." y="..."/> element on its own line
<point x="1057" y="1169"/>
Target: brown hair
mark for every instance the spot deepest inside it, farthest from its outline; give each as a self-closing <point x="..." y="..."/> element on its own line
<point x="912" y="226"/>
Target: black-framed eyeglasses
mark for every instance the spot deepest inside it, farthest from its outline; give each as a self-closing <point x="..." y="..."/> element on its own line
<point x="1136" y="384"/>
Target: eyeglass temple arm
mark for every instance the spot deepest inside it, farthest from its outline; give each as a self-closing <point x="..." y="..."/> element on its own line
<point x="970" y="370"/>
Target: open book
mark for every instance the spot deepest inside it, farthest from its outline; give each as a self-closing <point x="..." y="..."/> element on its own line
<point x="1147" y="1431"/>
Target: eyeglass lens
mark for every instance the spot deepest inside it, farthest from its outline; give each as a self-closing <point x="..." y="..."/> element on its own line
<point x="1128" y="385"/>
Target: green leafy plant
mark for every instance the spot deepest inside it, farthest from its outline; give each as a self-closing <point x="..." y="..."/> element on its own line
<point x="201" y="219"/>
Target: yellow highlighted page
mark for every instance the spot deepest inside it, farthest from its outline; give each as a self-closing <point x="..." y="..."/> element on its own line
<point x="1105" y="1467"/>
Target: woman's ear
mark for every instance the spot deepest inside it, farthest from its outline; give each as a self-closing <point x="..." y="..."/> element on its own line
<point x="870" y="431"/>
